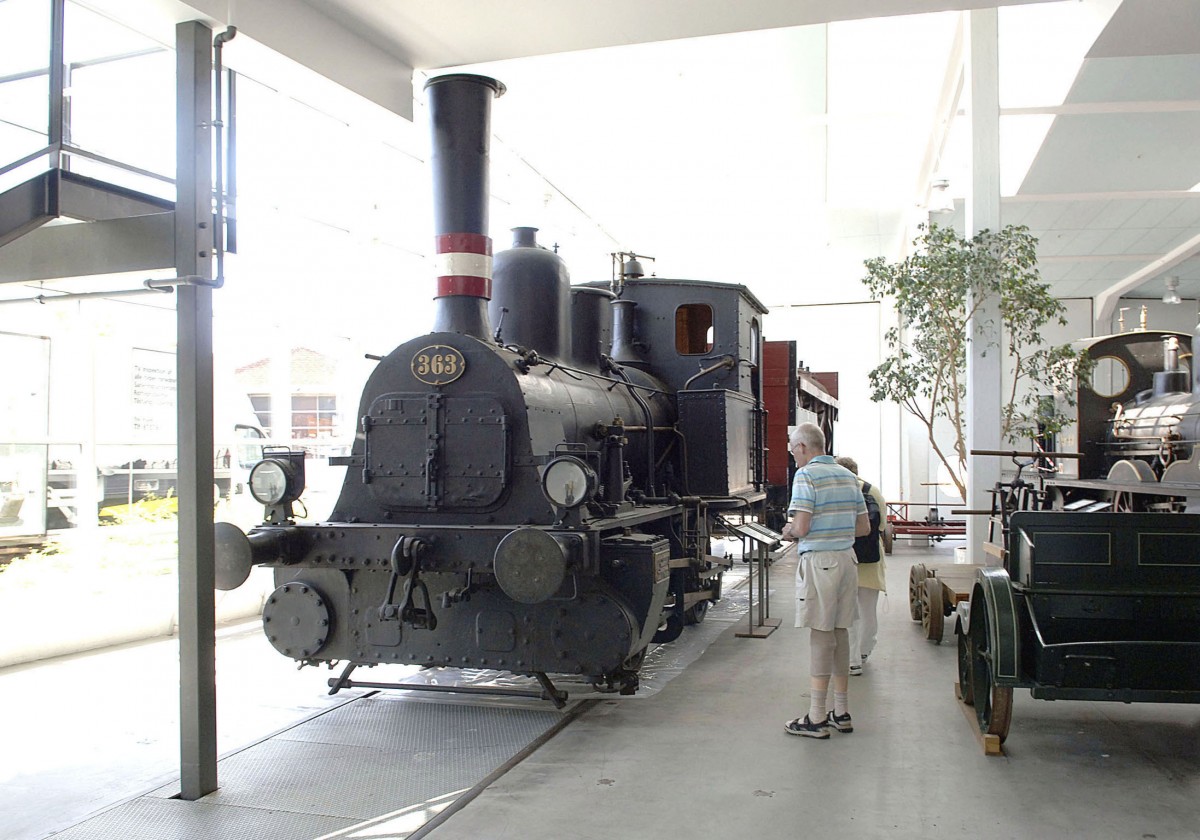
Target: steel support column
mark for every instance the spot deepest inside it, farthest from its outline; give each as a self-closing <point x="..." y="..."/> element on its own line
<point x="193" y="256"/>
<point x="58" y="69"/>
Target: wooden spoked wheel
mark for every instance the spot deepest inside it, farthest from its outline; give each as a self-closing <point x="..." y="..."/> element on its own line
<point x="932" y="611"/>
<point x="916" y="590"/>
<point x="993" y="703"/>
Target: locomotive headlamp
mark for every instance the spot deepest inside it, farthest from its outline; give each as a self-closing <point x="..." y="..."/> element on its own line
<point x="278" y="478"/>
<point x="268" y="481"/>
<point x="568" y="482"/>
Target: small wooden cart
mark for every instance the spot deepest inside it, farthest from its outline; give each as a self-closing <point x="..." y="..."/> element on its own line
<point x="934" y="592"/>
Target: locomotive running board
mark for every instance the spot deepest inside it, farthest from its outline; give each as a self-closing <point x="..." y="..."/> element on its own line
<point x="548" y="692"/>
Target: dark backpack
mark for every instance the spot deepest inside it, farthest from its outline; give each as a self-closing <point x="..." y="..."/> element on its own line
<point x="867" y="548"/>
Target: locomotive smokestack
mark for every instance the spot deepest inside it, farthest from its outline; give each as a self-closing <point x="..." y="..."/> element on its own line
<point x="623" y="350"/>
<point x="460" y="117"/>
<point x="1172" y="379"/>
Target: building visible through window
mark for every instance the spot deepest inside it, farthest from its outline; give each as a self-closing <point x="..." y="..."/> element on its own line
<point x="694" y="329"/>
<point x="261" y="403"/>
<point x="314" y="417"/>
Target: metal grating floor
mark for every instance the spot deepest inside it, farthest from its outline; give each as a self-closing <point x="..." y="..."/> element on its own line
<point x="157" y="819"/>
<point x="380" y="765"/>
<point x="378" y="757"/>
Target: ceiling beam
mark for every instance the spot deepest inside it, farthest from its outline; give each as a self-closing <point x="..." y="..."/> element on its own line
<point x="1115" y="195"/>
<point x="1129" y="107"/>
<point x="445" y="33"/>
<point x="313" y="36"/>
<point x="1106" y="301"/>
<point x="1096" y="258"/>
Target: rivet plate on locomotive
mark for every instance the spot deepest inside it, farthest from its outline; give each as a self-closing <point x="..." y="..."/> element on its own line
<point x="296" y="620"/>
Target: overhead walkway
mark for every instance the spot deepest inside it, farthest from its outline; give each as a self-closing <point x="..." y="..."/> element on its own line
<point x="115" y="229"/>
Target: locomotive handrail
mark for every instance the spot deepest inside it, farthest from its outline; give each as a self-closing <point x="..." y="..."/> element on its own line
<point x="649" y="425"/>
<point x="571" y="373"/>
<point x="1149" y="439"/>
<point x="613" y="382"/>
<point x="1013" y="453"/>
<point x="726" y="362"/>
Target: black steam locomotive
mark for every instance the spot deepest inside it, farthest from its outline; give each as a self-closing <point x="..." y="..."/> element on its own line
<point x="1138" y="425"/>
<point x="533" y="484"/>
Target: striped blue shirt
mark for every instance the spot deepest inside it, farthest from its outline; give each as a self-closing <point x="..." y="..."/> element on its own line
<point x="830" y="493"/>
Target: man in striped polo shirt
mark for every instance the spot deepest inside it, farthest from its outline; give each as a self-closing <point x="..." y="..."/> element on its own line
<point x="827" y="512"/>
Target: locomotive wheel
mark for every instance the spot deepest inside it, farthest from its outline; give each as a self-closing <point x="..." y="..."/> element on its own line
<point x="965" y="655"/>
<point x="634" y="663"/>
<point x="932" y="613"/>
<point x="670" y="629"/>
<point x="691" y="584"/>
<point x="1123" y="502"/>
<point x="696" y="612"/>
<point x="993" y="703"/>
<point x="916" y="586"/>
<point x="625" y="680"/>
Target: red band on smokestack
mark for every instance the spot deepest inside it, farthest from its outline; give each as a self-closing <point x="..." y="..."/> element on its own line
<point x="464" y="265"/>
<point x="451" y="285"/>
<point x="472" y="243"/>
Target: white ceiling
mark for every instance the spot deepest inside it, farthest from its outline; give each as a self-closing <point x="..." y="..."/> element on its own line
<point x="740" y="141"/>
<point x="1109" y="191"/>
<point x="447" y="33"/>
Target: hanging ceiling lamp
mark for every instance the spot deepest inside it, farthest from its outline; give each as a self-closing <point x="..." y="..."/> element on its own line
<point x="1172" y="293"/>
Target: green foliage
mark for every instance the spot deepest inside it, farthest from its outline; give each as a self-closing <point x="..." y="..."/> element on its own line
<point x="151" y="509"/>
<point x="139" y="541"/>
<point x="106" y="558"/>
<point x="937" y="292"/>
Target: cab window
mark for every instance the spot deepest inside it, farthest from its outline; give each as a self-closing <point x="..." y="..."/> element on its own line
<point x="694" y="329"/>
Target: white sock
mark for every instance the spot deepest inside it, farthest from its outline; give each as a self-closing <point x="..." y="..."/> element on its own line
<point x="841" y="703"/>
<point x="816" y="705"/>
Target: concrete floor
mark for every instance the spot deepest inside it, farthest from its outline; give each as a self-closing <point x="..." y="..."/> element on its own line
<point x="705" y="754"/>
<point x="708" y="757"/>
<point x="84" y="732"/>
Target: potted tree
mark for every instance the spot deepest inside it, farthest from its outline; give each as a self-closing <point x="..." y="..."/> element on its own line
<point x="926" y="369"/>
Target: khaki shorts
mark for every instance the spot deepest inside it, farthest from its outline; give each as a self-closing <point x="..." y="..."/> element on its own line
<point x="826" y="589"/>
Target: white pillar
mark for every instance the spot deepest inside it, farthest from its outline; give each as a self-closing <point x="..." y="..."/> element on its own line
<point x="983" y="212"/>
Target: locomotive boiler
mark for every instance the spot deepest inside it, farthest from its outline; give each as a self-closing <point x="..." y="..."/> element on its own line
<point x="532" y="485"/>
<point x="1138" y="425"/>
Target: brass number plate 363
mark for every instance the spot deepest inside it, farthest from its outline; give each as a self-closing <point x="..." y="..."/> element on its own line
<point x="438" y="364"/>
